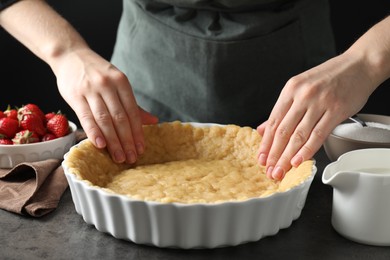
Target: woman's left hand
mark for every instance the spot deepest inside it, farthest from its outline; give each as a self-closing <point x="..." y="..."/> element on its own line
<point x="309" y="107"/>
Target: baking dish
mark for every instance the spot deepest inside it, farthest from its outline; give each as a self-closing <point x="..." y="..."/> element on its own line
<point x="186" y="225"/>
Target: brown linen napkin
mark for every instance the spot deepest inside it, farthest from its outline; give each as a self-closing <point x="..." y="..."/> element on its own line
<point x="33" y="188"/>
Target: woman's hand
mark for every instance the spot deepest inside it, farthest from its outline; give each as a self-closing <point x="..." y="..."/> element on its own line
<point x="102" y="99"/>
<point x="99" y="93"/>
<point x="309" y="107"/>
<point x="314" y="102"/>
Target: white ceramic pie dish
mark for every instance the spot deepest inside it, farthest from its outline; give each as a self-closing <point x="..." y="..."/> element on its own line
<point x="179" y="225"/>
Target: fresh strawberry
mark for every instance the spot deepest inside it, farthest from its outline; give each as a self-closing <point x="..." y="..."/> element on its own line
<point x="8" y="127"/>
<point x="32" y="122"/>
<point x="49" y="116"/>
<point x="48" y="137"/>
<point x="25" y="137"/>
<point x="6" y="141"/>
<point x="58" y="125"/>
<point x="31" y="109"/>
<point x="11" y="112"/>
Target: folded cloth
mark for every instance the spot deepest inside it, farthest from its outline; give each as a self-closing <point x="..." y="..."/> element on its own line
<point x="33" y="188"/>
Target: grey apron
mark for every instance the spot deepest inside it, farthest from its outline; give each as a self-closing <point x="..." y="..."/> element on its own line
<point x="218" y="61"/>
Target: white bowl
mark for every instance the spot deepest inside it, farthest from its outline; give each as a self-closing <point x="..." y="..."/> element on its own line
<point x="336" y="145"/>
<point x="180" y="225"/>
<point x="11" y="155"/>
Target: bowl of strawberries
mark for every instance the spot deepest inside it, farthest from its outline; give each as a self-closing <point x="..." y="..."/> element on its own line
<point x="27" y="134"/>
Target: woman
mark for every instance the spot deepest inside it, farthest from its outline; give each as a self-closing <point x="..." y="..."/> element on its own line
<point x="209" y="61"/>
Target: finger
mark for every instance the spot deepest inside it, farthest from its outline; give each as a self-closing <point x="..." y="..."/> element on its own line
<point x="103" y="119"/>
<point x="261" y="156"/>
<point x="147" y="118"/>
<point x="88" y="123"/>
<point x="135" y="132"/>
<point x="317" y="137"/>
<point x="261" y="128"/>
<point x="298" y="138"/>
<point x="282" y="136"/>
<point x="279" y="111"/>
<point x="122" y="125"/>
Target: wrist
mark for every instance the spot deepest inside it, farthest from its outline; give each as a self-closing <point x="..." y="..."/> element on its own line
<point x="373" y="63"/>
<point x="54" y="52"/>
<point x="372" y="50"/>
<point x="59" y="57"/>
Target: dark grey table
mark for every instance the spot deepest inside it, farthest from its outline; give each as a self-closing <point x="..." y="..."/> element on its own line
<point x="63" y="234"/>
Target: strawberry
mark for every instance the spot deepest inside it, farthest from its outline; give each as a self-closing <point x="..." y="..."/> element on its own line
<point x="58" y="125"/>
<point x="8" y="127"/>
<point x="31" y="109"/>
<point x="49" y="116"/>
<point x="6" y="141"/>
<point x="11" y="112"/>
<point x="32" y="122"/>
<point x="48" y="137"/>
<point x="25" y="137"/>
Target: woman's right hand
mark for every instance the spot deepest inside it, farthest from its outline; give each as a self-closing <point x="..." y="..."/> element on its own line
<point x="99" y="93"/>
<point x="102" y="99"/>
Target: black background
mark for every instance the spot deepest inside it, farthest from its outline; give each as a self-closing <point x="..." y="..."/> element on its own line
<point x="26" y="79"/>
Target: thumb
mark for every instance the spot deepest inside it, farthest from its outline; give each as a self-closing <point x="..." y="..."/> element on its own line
<point x="261" y="128"/>
<point x="147" y="118"/>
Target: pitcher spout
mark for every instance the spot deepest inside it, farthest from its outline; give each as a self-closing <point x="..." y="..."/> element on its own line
<point x="341" y="180"/>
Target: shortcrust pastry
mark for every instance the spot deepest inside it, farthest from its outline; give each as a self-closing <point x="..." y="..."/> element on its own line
<point x="186" y="164"/>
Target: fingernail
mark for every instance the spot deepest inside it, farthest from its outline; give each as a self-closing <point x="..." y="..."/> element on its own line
<point x="140" y="148"/>
<point x="296" y="160"/>
<point x="277" y="173"/>
<point x="131" y="157"/>
<point x="269" y="171"/>
<point x="262" y="159"/>
<point x="100" y="143"/>
<point x="119" y="156"/>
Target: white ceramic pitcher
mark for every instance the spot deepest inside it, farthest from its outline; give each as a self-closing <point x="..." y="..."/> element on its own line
<point x="361" y="195"/>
